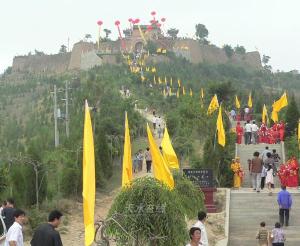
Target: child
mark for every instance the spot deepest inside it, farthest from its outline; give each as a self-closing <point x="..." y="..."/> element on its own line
<point x="269" y="178"/>
<point x="262" y="235"/>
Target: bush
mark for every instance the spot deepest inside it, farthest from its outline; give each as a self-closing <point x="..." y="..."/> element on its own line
<point x="150" y="213"/>
<point x="190" y="197"/>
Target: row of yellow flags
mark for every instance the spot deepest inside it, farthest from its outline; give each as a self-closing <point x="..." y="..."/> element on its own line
<point x="161" y="162"/>
<point x="277" y="106"/>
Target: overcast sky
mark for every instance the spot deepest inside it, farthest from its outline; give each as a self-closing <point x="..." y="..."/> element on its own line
<point x="270" y="26"/>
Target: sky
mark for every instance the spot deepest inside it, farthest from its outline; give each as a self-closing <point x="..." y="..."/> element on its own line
<point x="271" y="27"/>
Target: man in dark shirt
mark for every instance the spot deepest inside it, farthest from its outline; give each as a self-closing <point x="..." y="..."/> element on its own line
<point x="45" y="234"/>
<point x="8" y="213"/>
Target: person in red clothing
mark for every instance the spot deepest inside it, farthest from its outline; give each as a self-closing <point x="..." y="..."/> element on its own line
<point x="282" y="174"/>
<point x="293" y="167"/>
<point x="263" y="133"/>
<point x="281" y="130"/>
<point x="239" y="133"/>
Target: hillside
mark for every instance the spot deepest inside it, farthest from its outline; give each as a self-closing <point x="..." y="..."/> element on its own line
<point x="27" y="131"/>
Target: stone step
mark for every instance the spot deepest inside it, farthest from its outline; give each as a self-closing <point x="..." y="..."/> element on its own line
<point x="248" y="209"/>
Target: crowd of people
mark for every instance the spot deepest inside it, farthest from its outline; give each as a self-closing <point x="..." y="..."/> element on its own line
<point x="14" y="220"/>
<point x="253" y="134"/>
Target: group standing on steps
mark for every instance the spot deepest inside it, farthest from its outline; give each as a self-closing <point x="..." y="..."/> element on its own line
<point x="253" y="134"/>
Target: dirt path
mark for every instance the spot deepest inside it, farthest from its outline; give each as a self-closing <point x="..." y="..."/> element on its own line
<point x="73" y="233"/>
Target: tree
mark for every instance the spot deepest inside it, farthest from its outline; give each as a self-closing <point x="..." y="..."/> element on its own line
<point x="173" y="32"/>
<point x="63" y="49"/>
<point x="87" y="37"/>
<point x="147" y="213"/>
<point x="127" y="32"/>
<point x="228" y="50"/>
<point x="265" y="60"/>
<point x="292" y="114"/>
<point x="107" y="32"/>
<point x="240" y="50"/>
<point x="201" y="32"/>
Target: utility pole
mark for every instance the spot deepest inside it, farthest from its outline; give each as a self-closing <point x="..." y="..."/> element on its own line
<point x="56" y="133"/>
<point x="67" y="110"/>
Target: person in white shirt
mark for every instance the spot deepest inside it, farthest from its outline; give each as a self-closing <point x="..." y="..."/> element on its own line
<point x="202" y="216"/>
<point x="14" y="236"/>
<point x="195" y="236"/>
<point x="254" y="129"/>
<point x="248" y="132"/>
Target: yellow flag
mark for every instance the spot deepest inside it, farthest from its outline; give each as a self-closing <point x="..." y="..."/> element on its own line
<point x="127" y="162"/>
<point x="220" y="129"/>
<point x="202" y="93"/>
<point x="179" y="82"/>
<point x="164" y="51"/>
<point x="213" y="106"/>
<point x="250" y="101"/>
<point x="88" y="173"/>
<point x="159" y="80"/>
<point x="161" y="169"/>
<point x="191" y="92"/>
<point x="166" y="80"/>
<point x="171" y="82"/>
<point x="264" y="114"/>
<point x="183" y="90"/>
<point x="143" y="78"/>
<point x="158" y="50"/>
<point x="274" y="116"/>
<point x="281" y="103"/>
<point x="154" y="80"/>
<point x="168" y="151"/>
<point x="153" y="70"/>
<point x="237" y="102"/>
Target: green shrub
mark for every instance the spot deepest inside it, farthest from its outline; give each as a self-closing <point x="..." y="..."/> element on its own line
<point x="150" y="213"/>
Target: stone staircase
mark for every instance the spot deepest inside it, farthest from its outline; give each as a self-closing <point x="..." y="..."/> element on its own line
<point x="245" y="152"/>
<point x="248" y="209"/>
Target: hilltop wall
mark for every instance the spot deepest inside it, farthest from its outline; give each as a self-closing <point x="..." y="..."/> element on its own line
<point x="57" y="63"/>
<point x="196" y="53"/>
<point x="86" y="55"/>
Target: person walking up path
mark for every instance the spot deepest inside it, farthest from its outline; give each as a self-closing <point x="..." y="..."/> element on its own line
<point x="277" y="235"/>
<point x="255" y="171"/>
<point x="285" y="201"/>
<point x="148" y="159"/>
<point x="248" y="132"/>
<point x="263" y="235"/>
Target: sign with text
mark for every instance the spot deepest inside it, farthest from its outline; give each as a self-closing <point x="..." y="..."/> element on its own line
<point x="200" y="177"/>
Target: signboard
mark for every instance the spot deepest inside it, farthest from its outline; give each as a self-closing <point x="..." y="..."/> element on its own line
<point x="200" y="177"/>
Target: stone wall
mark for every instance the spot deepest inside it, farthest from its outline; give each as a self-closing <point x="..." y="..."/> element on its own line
<point x="197" y="53"/>
<point x="57" y="63"/>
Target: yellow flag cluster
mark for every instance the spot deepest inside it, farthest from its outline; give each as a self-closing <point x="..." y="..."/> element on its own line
<point x="161" y="169"/>
<point x="278" y="105"/>
<point x="213" y="106"/>
<point x="168" y="151"/>
<point x="127" y="162"/>
<point x="88" y="173"/>
<point x="191" y="92"/>
<point x="202" y="93"/>
<point x="220" y="129"/>
<point x="183" y="90"/>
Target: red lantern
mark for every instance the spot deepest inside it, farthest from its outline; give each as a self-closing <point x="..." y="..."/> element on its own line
<point x="163" y="19"/>
<point x="137" y="21"/>
<point x="130" y="20"/>
<point x="158" y="25"/>
<point x="149" y="28"/>
<point x="117" y="23"/>
<point x="99" y="22"/>
<point x="153" y="13"/>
